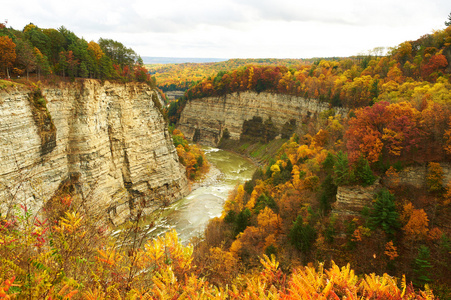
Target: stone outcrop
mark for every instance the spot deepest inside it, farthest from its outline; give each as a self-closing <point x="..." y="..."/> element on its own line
<point x="415" y="176"/>
<point x="351" y="200"/>
<point x="109" y="139"/>
<point x="205" y="119"/>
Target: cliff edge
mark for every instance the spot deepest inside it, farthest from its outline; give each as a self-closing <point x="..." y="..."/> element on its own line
<point x="109" y="140"/>
<point x="206" y="119"/>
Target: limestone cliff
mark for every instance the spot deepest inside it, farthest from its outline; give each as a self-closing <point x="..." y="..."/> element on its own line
<point x="206" y="119"/>
<point x="110" y="139"/>
<point x="351" y="200"/>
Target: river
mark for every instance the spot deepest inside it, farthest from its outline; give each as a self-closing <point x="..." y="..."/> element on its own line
<point x="190" y="215"/>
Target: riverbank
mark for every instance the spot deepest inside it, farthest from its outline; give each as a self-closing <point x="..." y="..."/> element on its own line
<point x="259" y="153"/>
<point x="190" y="215"/>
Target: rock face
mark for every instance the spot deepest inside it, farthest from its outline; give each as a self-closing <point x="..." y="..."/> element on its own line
<point x="205" y="119"/>
<point x="109" y="139"/>
<point x="351" y="200"/>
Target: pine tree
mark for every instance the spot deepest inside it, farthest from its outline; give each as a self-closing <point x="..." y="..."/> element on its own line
<point x="363" y="172"/>
<point x="342" y="174"/>
<point x="302" y="235"/>
<point x="83" y="70"/>
<point x="448" y="23"/>
<point x="422" y="266"/>
<point x="384" y="213"/>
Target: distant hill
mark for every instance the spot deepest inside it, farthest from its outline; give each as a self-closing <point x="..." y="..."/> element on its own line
<point x="181" y="76"/>
<point x="179" y="60"/>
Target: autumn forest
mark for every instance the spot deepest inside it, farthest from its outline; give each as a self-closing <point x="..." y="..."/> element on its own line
<point x="279" y="235"/>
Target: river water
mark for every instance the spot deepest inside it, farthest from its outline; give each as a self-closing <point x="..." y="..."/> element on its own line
<point x="190" y="215"/>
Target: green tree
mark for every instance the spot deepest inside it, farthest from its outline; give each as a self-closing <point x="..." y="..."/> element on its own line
<point x="422" y="266"/>
<point x="42" y="63"/>
<point x="329" y="191"/>
<point x="342" y="173"/>
<point x="448" y="22"/>
<point x="302" y="235"/>
<point x="329" y="162"/>
<point x="62" y="63"/>
<point x="83" y="70"/>
<point x="106" y="67"/>
<point x="242" y="220"/>
<point x="384" y="214"/>
<point x="38" y="39"/>
<point x="25" y="55"/>
<point x="56" y="45"/>
<point x="363" y="172"/>
<point x="118" y="53"/>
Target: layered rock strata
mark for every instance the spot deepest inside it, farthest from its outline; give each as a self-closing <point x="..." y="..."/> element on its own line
<point x="109" y="139"/>
<point x="351" y="200"/>
<point x="205" y="119"/>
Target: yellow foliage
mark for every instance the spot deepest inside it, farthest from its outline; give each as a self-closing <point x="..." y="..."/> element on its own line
<point x="447" y="195"/>
<point x="435" y="177"/>
<point x="267" y="220"/>
<point x="270" y="240"/>
<point x="258" y="190"/>
<point x="304" y="152"/>
<point x="275" y="169"/>
<point x="235" y="248"/>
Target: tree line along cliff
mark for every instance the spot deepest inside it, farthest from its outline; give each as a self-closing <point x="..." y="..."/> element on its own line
<point x="47" y="51"/>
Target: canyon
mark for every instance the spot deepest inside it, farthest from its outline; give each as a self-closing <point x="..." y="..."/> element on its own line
<point x="205" y="120"/>
<point x="108" y="141"/>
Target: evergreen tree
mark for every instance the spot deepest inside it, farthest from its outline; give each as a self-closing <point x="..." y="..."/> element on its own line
<point x="342" y="173"/>
<point x="384" y="214"/>
<point x="363" y="172"/>
<point x="448" y="23"/>
<point x="422" y="266"/>
<point x="83" y="70"/>
<point x="302" y="235"/>
<point x="329" y="162"/>
<point x="242" y="220"/>
<point x="329" y="191"/>
<point x="106" y="67"/>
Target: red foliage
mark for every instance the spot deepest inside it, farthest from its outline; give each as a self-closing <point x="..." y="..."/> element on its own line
<point x="437" y="62"/>
<point x="383" y="131"/>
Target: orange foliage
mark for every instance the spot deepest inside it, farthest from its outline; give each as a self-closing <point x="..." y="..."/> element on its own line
<point x="417" y="226"/>
<point x="384" y="130"/>
<point x="7" y="52"/>
<point x="391" y="251"/>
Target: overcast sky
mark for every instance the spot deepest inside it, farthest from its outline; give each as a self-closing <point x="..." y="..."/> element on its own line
<point x="237" y="28"/>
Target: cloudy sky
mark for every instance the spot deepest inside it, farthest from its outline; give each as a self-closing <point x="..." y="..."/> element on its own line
<point x="237" y="28"/>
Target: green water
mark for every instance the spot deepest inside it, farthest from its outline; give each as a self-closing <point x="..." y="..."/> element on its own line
<point x="190" y="215"/>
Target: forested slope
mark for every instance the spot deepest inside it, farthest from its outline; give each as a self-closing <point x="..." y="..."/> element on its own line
<point x="394" y="147"/>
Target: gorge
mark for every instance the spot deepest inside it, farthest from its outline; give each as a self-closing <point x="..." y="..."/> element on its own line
<point x="109" y="141"/>
<point x="231" y="111"/>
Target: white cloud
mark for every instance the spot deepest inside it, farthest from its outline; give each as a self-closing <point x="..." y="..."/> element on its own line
<point x="237" y="28"/>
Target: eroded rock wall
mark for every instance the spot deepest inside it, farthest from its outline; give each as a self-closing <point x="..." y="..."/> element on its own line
<point x="110" y="139"/>
<point x="205" y="119"/>
<point x="351" y="200"/>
